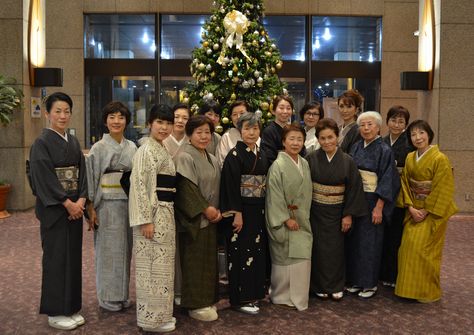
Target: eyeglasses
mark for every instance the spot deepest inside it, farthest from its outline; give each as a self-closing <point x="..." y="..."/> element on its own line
<point x="312" y="114"/>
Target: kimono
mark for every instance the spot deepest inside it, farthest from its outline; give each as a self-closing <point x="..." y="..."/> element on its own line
<point x="337" y="192"/>
<point x="212" y="146"/>
<point x="172" y="144"/>
<point x="380" y="180"/>
<point x="152" y="187"/>
<point x="426" y="183"/>
<point x="197" y="189"/>
<point x="58" y="173"/>
<point x="106" y="162"/>
<point x="227" y="142"/>
<point x="393" y="231"/>
<point x="311" y="144"/>
<point x="272" y="142"/>
<point x="289" y="196"/>
<point x="243" y="190"/>
<point x="348" y="136"/>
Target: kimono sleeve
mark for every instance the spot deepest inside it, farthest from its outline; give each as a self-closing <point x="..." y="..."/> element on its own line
<point x="230" y="199"/>
<point x="440" y="200"/>
<point x="82" y="175"/>
<point x="355" y="203"/>
<point x="385" y="176"/>
<point x="93" y="173"/>
<point x="268" y="144"/>
<point x="404" y="197"/>
<point x="43" y="176"/>
<point x="276" y="208"/>
<point x="140" y="204"/>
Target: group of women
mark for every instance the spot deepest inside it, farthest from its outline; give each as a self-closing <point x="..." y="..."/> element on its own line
<point x="318" y="209"/>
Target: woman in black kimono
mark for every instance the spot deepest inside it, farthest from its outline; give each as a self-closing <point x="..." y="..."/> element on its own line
<point x="242" y="195"/>
<point x="338" y="197"/>
<point x="58" y="180"/>
<point x="397" y="121"/>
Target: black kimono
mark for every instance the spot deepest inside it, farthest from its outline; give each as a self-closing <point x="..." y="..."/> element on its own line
<point x="394" y="230"/>
<point x="272" y="142"/>
<point x="243" y="190"/>
<point x="350" y="138"/>
<point x="337" y="192"/>
<point x="58" y="173"/>
<point x="381" y="180"/>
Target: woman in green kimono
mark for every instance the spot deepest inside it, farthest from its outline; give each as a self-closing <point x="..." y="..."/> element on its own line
<point x="287" y="205"/>
<point x="197" y="199"/>
<point x="427" y="193"/>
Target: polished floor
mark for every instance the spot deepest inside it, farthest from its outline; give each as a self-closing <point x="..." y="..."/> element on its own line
<point x="20" y="280"/>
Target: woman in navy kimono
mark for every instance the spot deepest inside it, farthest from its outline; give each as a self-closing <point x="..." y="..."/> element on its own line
<point x="381" y="183"/>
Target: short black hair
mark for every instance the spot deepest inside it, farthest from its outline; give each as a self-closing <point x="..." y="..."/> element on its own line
<point x="57" y="96"/>
<point x="312" y="105"/>
<point x="423" y="125"/>
<point x="327" y="124"/>
<point x="239" y="103"/>
<point x="197" y="121"/>
<point x="181" y="106"/>
<point x="279" y="98"/>
<point x="160" y="112"/>
<point x="210" y="106"/>
<point x="398" y="111"/>
<point x="115" y="107"/>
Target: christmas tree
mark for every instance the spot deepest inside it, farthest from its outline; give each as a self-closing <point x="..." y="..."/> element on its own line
<point x="236" y="60"/>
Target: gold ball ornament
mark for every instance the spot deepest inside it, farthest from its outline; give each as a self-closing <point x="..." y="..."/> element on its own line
<point x="233" y="96"/>
<point x="279" y="65"/>
<point x="213" y="74"/>
<point x="225" y="120"/>
<point x="269" y="115"/>
<point x="260" y="84"/>
<point x="268" y="53"/>
<point x="219" y="129"/>
<point x="264" y="105"/>
<point x="273" y="70"/>
<point x="235" y="80"/>
<point x="262" y="33"/>
<point x="185" y="100"/>
<point x="235" y="68"/>
<point x="255" y="43"/>
<point x="201" y="66"/>
<point x="205" y="44"/>
<point x="215" y="46"/>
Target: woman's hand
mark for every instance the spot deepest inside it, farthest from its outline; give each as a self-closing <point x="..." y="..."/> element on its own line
<point x="292" y="224"/>
<point x="377" y="212"/>
<point x="346" y="223"/>
<point x="212" y="214"/>
<point x="93" y="221"/>
<point x="238" y="222"/>
<point x="148" y="230"/>
<point x="418" y="215"/>
<point x="74" y="209"/>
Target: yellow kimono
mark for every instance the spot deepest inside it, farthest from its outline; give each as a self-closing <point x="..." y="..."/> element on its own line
<point x="427" y="183"/>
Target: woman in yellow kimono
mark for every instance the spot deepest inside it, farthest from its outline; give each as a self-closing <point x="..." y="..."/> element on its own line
<point x="427" y="192"/>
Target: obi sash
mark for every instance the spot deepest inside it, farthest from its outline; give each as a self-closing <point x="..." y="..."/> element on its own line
<point x="165" y="187"/>
<point x="68" y="177"/>
<point x="110" y="182"/>
<point x="328" y="194"/>
<point x="369" y="180"/>
<point x="252" y="186"/>
<point x="420" y="189"/>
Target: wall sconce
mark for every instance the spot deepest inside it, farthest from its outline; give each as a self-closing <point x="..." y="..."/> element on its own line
<point x="414" y="80"/>
<point x="36" y="37"/>
<point x="48" y="76"/>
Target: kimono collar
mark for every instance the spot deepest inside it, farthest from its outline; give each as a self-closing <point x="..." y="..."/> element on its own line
<point x="419" y="157"/>
<point x="111" y="140"/>
<point x="64" y="137"/>
<point x="367" y="144"/>
<point x="392" y="141"/>
<point x="350" y="125"/>
<point x="298" y="164"/>
<point x="330" y="158"/>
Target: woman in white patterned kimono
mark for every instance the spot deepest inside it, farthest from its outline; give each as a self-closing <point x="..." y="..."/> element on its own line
<point x="288" y="204"/>
<point x="152" y="189"/>
<point x="108" y="159"/>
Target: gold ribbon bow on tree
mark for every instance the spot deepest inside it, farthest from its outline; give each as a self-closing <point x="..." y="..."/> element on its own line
<point x="236" y="25"/>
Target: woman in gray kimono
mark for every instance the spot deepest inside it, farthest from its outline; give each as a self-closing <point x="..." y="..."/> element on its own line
<point x="108" y="159"/>
<point x="288" y="204"/>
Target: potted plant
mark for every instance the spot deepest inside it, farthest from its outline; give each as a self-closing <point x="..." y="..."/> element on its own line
<point x="10" y="99"/>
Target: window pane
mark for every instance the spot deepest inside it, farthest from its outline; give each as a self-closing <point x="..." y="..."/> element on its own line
<point x="328" y="90"/>
<point x="180" y="34"/>
<point x="119" y="36"/>
<point x="289" y="35"/>
<point x="342" y="38"/>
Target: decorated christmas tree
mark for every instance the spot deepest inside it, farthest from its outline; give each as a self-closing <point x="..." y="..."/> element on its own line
<point x="236" y="60"/>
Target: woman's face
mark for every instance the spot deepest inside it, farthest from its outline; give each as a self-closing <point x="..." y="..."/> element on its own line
<point x="369" y="129"/>
<point x="160" y="129"/>
<point x="396" y="125"/>
<point x="328" y="140"/>
<point x="283" y="112"/>
<point x="201" y="137"/>
<point x="250" y="134"/>
<point x="116" y="123"/>
<point x="237" y="111"/>
<point x="348" y="111"/>
<point x="293" y="143"/>
<point x="311" y="117"/>
<point x="214" y="117"/>
<point x="59" y="116"/>
<point x="420" y="139"/>
<point x="181" y="117"/>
